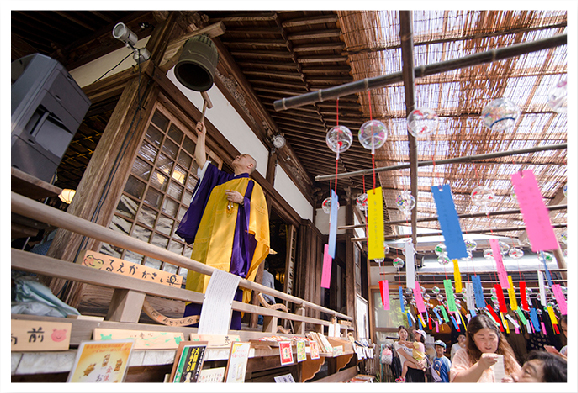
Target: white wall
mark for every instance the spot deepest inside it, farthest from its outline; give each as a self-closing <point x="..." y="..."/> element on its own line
<point x="223" y="116"/>
<point x="322" y="220"/>
<point x="89" y="73"/>
<point x="285" y="186"/>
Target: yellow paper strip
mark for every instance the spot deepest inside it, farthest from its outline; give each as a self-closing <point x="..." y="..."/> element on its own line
<point x="375" y="224"/>
<point x="553" y="318"/>
<point x="464" y="322"/>
<point x="506" y="326"/>
<point x="457" y="276"/>
<point x="512" y="294"/>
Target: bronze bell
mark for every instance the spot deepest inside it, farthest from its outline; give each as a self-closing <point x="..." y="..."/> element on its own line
<point x="196" y="66"/>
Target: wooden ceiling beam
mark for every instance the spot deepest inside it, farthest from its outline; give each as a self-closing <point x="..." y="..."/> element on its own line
<point x="244" y="42"/>
<point x="262" y="53"/>
<point x="277" y="82"/>
<point x="280" y="74"/>
<point x="240" y="16"/>
<point x="246" y="63"/>
<point x="321" y="59"/>
<point x="308" y="21"/>
<point x="319" y="47"/>
<point x="315" y="35"/>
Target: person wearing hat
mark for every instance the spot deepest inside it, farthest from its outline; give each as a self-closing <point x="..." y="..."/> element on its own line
<point x="441" y="364"/>
<point x="418" y="354"/>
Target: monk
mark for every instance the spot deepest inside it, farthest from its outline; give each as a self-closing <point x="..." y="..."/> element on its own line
<point x="227" y="223"/>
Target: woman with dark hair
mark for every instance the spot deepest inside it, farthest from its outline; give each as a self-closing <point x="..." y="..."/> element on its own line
<point x="484" y="344"/>
<point x="405" y="349"/>
<point x="564" y="351"/>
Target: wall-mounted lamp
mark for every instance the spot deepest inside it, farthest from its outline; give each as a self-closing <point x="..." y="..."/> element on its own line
<point x="122" y="33"/>
<point x="66" y="195"/>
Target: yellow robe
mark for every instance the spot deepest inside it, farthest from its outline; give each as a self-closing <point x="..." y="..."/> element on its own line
<point x="213" y="243"/>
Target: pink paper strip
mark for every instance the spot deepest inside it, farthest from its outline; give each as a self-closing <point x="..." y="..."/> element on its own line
<point x="326" y="272"/>
<point x="499" y="263"/>
<point x="418" y="299"/>
<point x="437" y="327"/>
<point x="560" y="298"/>
<point x="534" y="212"/>
<point x="384" y="288"/>
<point x="516" y="330"/>
<point x="544" y="331"/>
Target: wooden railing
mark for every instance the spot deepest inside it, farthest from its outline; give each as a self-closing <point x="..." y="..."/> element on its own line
<point x="132" y="291"/>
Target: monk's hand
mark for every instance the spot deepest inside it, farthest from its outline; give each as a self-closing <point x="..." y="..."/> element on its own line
<point x="201" y="129"/>
<point x="234" y="196"/>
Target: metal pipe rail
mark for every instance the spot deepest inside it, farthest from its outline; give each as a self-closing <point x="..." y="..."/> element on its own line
<point x="57" y="218"/>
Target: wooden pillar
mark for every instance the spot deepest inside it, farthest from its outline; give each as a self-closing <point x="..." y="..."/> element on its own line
<point x="110" y="163"/>
<point x="349" y="258"/>
<point x="270" y="177"/>
<point x="125" y="306"/>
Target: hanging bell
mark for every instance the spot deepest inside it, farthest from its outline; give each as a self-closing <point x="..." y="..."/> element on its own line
<point x="197" y="63"/>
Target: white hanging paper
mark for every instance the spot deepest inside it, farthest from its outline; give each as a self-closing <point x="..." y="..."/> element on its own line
<point x="470" y="302"/>
<point x="541" y="287"/>
<point x="409" y="265"/>
<point x="216" y="312"/>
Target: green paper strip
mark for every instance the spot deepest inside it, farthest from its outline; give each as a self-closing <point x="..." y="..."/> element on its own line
<point x="521" y="315"/>
<point x="450" y="296"/>
<point x="445" y="314"/>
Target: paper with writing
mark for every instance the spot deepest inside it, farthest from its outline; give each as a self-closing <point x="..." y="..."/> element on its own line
<point x="545" y="263"/>
<point x="418" y="299"/>
<point x="500" y="296"/>
<point x="449" y="222"/>
<point x="534" y="319"/>
<point x="384" y="290"/>
<point x="512" y="294"/>
<point x="375" y="224"/>
<point x="553" y="318"/>
<point x="478" y="292"/>
<point x="237" y="366"/>
<point x="560" y="299"/>
<point x="494" y="243"/>
<point x="505" y="323"/>
<point x="409" y="265"/>
<point x="534" y="212"/>
<point x="215" y="315"/>
<point x="457" y="276"/>
<point x="451" y="301"/>
<point x="326" y="272"/>
<point x="470" y="302"/>
<point x="541" y="288"/>
<point x="444" y="313"/>
<point x="401" y="300"/>
<point x="333" y="224"/>
<point x="499" y="369"/>
<point x="523" y="297"/>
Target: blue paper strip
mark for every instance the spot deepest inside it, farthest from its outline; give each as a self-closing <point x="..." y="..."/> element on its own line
<point x="333" y="224"/>
<point x="534" y="319"/>
<point x="409" y="320"/>
<point x="472" y="313"/>
<point x="449" y="223"/>
<point x="437" y="315"/>
<point x="401" y="301"/>
<point x="478" y="292"/>
<point x="454" y="321"/>
<point x="548" y="276"/>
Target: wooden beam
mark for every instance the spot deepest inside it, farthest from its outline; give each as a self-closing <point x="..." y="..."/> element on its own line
<point x="424" y="70"/>
<point x="308" y="21"/>
<point x="315" y="34"/>
<point x="469" y="158"/>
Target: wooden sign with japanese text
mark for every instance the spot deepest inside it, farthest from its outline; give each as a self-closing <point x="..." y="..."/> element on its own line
<point x="216" y="340"/>
<point x="30" y="335"/>
<point x="99" y="261"/>
<point x="144" y="339"/>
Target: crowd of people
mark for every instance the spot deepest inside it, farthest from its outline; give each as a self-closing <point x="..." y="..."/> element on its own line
<point x="480" y="354"/>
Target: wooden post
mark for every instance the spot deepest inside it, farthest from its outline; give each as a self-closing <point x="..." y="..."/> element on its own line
<point x="270" y="324"/>
<point x="300" y="326"/>
<point x="125" y="306"/>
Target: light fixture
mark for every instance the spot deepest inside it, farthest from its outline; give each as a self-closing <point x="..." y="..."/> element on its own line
<point x="278" y="141"/>
<point x="122" y="33"/>
<point x="66" y="195"/>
